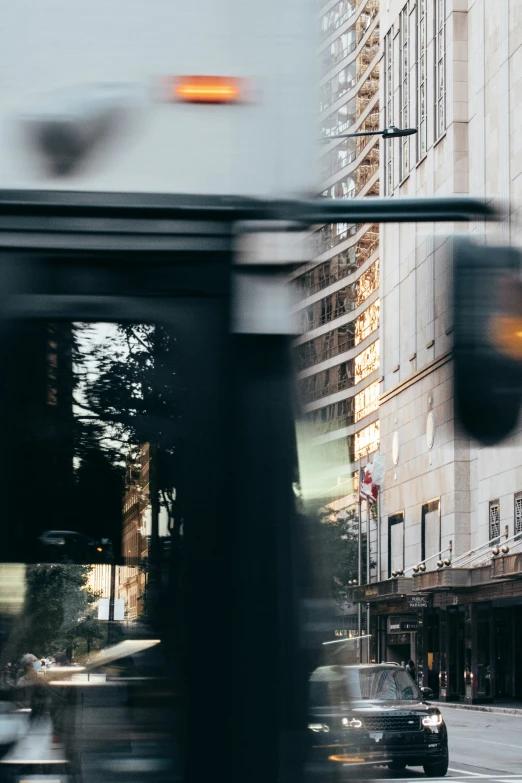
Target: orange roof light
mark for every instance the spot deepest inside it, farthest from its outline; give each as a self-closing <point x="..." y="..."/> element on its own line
<point x="207" y="89"/>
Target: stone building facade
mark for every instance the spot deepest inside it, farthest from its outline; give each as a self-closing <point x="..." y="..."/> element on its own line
<point x="450" y="68"/>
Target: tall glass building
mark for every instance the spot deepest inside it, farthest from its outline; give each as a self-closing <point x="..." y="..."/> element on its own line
<point x="338" y="349"/>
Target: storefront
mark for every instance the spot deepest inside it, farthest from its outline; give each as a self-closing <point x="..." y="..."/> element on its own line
<point x="462" y="628"/>
<point x="396" y="617"/>
<point x="470" y="642"/>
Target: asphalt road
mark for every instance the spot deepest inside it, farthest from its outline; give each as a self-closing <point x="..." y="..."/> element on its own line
<point x="482" y="746"/>
<point x="485" y="742"/>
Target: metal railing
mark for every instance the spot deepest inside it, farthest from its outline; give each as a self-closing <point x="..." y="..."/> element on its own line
<point x="494" y="543"/>
<point x="361" y="256"/>
<point x="340" y="128"/>
<point x="336" y="163"/>
<point x="329" y="237"/>
<point x="337" y="23"/>
<point x="332" y="162"/>
<point x="328" y="316"/>
<point x="368" y="89"/>
<point x="327" y="99"/>
<point x="310" y="289"/>
<point x="418" y="566"/>
<point x="311" y="395"/>
<point x="467" y="558"/>
<point x="304" y="362"/>
<point x="332" y="60"/>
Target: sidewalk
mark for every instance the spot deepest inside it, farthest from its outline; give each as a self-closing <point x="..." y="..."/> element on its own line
<point x="508" y="708"/>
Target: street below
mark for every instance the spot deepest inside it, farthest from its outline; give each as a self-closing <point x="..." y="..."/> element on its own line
<point x="482" y="746"/>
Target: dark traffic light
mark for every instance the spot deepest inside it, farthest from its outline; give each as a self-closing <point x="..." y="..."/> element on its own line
<point x="487" y="307"/>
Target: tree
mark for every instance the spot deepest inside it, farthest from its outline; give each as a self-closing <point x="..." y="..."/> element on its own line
<point x="341" y="547"/>
<point x="57" y="596"/>
<point x="333" y="548"/>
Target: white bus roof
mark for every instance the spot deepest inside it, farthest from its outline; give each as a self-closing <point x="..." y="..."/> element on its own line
<point x="59" y="58"/>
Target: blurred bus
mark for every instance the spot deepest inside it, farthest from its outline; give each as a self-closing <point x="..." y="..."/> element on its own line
<point x="147" y="397"/>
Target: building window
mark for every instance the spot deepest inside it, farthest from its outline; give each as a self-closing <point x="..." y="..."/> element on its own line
<point x="518" y="515"/>
<point x="366" y="401"/>
<point x="395" y="542"/>
<point x="337" y="16"/>
<point x="367" y="322"/>
<point x="331" y="417"/>
<point x="388" y="119"/>
<point x="404" y="95"/>
<point x="494" y="521"/>
<point x="366" y="362"/>
<point x="440" y="68"/>
<point x="431" y="533"/>
<point x="329" y="381"/>
<point x="367" y="440"/>
<point x="421" y="80"/>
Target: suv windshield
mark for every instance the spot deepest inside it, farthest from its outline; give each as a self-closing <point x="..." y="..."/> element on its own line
<point x="375" y="684"/>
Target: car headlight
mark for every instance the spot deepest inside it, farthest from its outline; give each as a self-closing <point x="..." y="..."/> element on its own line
<point x="318" y="727"/>
<point x="352" y="723"/>
<point x="434" y="719"/>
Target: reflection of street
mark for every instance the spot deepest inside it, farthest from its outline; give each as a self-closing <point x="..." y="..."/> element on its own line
<point x="36" y="745"/>
<point x="13" y="726"/>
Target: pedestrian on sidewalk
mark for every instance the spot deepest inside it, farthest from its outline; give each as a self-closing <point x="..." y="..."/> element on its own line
<point x="31" y="693"/>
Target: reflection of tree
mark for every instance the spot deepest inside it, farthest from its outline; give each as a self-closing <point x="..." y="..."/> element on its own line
<point x="99" y="497"/>
<point x="132" y="399"/>
<point x="333" y="549"/>
<point x="87" y="633"/>
<point x="57" y="596"/>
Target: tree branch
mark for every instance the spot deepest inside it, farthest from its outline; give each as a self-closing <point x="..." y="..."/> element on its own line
<point x="138" y="338"/>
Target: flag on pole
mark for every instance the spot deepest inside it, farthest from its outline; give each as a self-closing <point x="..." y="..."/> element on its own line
<point x="378" y="469"/>
<point x="367" y="489"/>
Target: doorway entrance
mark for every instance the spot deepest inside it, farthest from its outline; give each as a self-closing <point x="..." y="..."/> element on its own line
<point x="432" y="636"/>
<point x="503" y="636"/>
<point x="398" y="653"/>
<point x="456" y="653"/>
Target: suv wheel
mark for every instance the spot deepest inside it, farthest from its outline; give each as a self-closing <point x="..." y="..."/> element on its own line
<point x="437" y="769"/>
<point x="397" y="765"/>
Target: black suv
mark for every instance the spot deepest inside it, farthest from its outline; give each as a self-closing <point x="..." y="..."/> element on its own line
<point x="374" y="714"/>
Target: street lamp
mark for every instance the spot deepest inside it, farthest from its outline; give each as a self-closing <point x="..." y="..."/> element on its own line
<point x="387" y="133"/>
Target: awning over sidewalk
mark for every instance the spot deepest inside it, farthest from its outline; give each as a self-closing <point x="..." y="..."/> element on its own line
<point x="398" y="587"/>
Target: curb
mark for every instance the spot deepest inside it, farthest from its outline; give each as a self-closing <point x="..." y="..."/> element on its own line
<point x="478" y="708"/>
